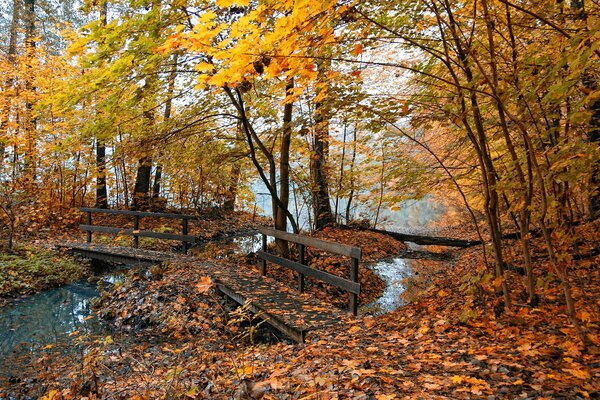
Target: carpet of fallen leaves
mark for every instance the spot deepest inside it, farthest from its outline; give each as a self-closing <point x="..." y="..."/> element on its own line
<point x="449" y="342"/>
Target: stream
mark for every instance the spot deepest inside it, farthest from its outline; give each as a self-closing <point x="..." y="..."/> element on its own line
<point x="53" y="320"/>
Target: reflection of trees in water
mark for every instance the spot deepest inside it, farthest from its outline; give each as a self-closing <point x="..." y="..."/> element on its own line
<point x="45" y="318"/>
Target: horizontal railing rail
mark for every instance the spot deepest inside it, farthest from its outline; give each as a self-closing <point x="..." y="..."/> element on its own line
<point x="89" y="228"/>
<point x="352" y="286"/>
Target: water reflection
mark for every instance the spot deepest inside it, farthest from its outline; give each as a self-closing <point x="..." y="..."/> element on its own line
<point x="47" y="318"/>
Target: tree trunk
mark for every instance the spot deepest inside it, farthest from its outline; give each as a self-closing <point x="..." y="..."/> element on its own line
<point x="30" y="123"/>
<point x="101" y="189"/>
<point x="318" y="160"/>
<point x="231" y="193"/>
<point x="142" y="184"/>
<point x="284" y="169"/>
<point x="352" y="180"/>
<point x="12" y="51"/>
<point x="167" y="116"/>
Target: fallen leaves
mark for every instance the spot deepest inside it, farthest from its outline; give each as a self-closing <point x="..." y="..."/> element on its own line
<point x="422" y="350"/>
<point x="204" y="284"/>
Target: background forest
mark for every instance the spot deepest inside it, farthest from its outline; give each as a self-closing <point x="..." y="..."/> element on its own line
<point x="186" y="104"/>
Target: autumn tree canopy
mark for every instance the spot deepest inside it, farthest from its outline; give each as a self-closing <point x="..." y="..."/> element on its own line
<point x="337" y="107"/>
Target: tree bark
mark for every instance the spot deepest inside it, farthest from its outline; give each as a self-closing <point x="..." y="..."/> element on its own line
<point x="12" y="51"/>
<point x="101" y="189"/>
<point x="167" y="116"/>
<point x="318" y="161"/>
<point x="30" y="123"/>
<point x="284" y="168"/>
<point x="142" y="183"/>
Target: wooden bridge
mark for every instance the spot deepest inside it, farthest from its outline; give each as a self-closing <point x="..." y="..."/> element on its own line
<point x="287" y="310"/>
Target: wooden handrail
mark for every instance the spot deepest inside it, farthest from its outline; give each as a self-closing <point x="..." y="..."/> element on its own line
<point x="352" y="286"/>
<point x="332" y="247"/>
<point x="136" y="232"/>
<point x="138" y="213"/>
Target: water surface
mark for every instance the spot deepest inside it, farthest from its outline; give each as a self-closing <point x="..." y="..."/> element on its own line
<point x="52" y="319"/>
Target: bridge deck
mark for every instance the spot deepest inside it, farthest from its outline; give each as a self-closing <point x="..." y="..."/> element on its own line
<point x="118" y="254"/>
<point x="288" y="311"/>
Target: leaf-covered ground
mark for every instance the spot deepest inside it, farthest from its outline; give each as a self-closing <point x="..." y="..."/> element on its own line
<point x="450" y="342"/>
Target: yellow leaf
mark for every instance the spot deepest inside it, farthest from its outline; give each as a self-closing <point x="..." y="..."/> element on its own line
<point x="457" y="379"/>
<point x="245" y="370"/>
<point x="51" y="395"/>
<point x="579" y="373"/>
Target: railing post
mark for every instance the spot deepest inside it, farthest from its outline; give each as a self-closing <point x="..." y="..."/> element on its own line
<point x="185" y="232"/>
<point x="263" y="267"/>
<point x="300" y="275"/>
<point x="89" y="222"/>
<point x="136" y="230"/>
<point x="353" y="302"/>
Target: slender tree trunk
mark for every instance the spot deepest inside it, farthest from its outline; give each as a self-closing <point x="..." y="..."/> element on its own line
<point x="524" y="192"/>
<point x="318" y="161"/>
<point x="284" y="168"/>
<point x="30" y="123"/>
<point x="480" y="144"/>
<point x="381" y="186"/>
<point x="253" y="140"/>
<point x="231" y="191"/>
<point x="352" y="179"/>
<point x="101" y="189"/>
<point x="341" y="177"/>
<point x="167" y="116"/>
<point x="12" y="51"/>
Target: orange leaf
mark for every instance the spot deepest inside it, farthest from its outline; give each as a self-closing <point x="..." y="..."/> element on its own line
<point x="204" y="284"/>
<point x="358" y="49"/>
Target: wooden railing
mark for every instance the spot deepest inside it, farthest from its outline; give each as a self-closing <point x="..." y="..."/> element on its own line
<point x="350" y="285"/>
<point x="136" y="232"/>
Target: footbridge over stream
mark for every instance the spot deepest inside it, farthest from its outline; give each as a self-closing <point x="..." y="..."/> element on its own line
<point x="289" y="311"/>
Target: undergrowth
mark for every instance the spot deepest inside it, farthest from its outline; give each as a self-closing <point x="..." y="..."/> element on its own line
<point x="26" y="270"/>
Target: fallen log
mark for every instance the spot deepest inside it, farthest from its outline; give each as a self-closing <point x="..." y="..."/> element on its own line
<point x="427" y="240"/>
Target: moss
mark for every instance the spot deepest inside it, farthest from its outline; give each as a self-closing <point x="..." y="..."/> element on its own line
<point x="28" y="270"/>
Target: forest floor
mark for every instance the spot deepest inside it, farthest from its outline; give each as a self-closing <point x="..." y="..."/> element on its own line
<point x="177" y="338"/>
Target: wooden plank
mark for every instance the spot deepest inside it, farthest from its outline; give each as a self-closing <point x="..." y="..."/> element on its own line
<point x="136" y="231"/>
<point x="89" y="222"/>
<point x="119" y="254"/>
<point x="332" y="247"/>
<point x="114" y="258"/>
<point x="138" y="213"/>
<point x="294" y="333"/>
<point x="353" y="300"/>
<point x="345" y="284"/>
<point x="130" y="232"/>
